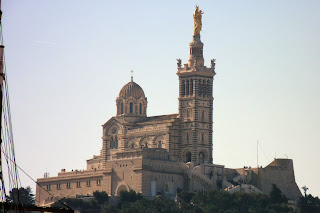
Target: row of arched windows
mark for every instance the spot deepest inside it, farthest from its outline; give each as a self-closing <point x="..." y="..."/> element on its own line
<point x="131" y="108"/>
<point x="204" y="87"/>
<point x="114" y="143"/>
<point x="201" y="157"/>
<point x="202" y="137"/>
<point x="145" y="144"/>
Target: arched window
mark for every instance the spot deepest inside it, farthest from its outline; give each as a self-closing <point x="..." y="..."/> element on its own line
<point x="121" y="108"/>
<point x="187" y="137"/>
<point x="200" y="88"/>
<point x="131" y="108"/>
<point x="191" y="87"/>
<point x="201" y="157"/>
<point x="202" y="116"/>
<point x="187" y="87"/>
<point x="208" y="88"/>
<point x="116" y="142"/>
<point x="183" y="87"/>
<point x="202" y="137"/>
<point x="112" y="144"/>
<point x="140" y="109"/>
<point x="159" y="144"/>
<point x="204" y="88"/>
<point x="188" y="157"/>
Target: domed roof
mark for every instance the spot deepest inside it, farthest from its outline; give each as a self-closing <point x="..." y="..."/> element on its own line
<point x="131" y="89"/>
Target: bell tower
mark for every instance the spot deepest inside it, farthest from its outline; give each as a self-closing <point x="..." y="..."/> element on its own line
<point x="196" y="101"/>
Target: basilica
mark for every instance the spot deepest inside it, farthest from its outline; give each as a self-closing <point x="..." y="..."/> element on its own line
<point x="160" y="154"/>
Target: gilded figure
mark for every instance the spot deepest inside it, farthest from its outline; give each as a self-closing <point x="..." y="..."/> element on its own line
<point x="197" y="16"/>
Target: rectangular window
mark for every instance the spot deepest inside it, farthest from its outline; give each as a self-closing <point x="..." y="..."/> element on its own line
<point x="58" y="186"/>
<point x="78" y="184"/>
<point x="88" y="183"/>
<point x="98" y="182"/>
<point x="48" y="187"/>
<point x="68" y="185"/>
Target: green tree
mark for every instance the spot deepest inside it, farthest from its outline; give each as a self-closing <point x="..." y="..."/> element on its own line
<point x="101" y="197"/>
<point x="130" y="196"/>
<point x="21" y="196"/>
<point x="310" y="204"/>
<point x="142" y="205"/>
<point x="108" y="207"/>
<point x="163" y="204"/>
<point x="185" y="201"/>
<point x="77" y="204"/>
<point x="276" y="195"/>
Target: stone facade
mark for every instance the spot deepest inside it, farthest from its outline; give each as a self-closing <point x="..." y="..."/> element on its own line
<point x="195" y="106"/>
<point x="159" y="154"/>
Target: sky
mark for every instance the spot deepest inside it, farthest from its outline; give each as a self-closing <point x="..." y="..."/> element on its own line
<point x="67" y="61"/>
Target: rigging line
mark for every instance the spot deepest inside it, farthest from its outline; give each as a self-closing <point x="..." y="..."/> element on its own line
<point x="263" y="152"/>
<point x="5" y="144"/>
<point x="10" y="135"/>
<point x="10" y="138"/>
<point x="8" y="147"/>
<point x="9" y="168"/>
<point x="39" y="184"/>
<point x="3" y="197"/>
<point x="1" y="32"/>
<point x="3" y="189"/>
<point x="7" y="101"/>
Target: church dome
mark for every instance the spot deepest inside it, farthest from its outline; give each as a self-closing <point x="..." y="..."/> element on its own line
<point x="131" y="89"/>
<point x="131" y="102"/>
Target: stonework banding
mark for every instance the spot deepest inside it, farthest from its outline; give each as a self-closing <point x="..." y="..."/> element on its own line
<point x="159" y="154"/>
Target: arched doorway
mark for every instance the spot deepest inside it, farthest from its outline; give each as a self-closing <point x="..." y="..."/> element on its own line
<point x="202" y="157"/>
<point x="187" y="157"/>
<point x="122" y="188"/>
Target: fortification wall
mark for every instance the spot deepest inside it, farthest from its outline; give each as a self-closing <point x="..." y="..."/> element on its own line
<point x="280" y="172"/>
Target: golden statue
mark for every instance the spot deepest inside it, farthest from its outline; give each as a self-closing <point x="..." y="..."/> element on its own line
<point x="197" y="16"/>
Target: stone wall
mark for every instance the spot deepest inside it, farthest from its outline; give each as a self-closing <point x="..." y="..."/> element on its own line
<point x="71" y="184"/>
<point x="126" y="175"/>
<point x="166" y="183"/>
<point x="281" y="173"/>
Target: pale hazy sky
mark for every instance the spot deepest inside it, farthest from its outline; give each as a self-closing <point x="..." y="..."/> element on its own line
<point x="67" y="61"/>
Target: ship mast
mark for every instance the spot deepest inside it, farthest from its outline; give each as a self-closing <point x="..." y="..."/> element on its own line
<point x="1" y="98"/>
<point x="7" y="147"/>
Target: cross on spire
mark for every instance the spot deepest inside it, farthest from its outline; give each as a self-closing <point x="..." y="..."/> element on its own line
<point x="131" y="75"/>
